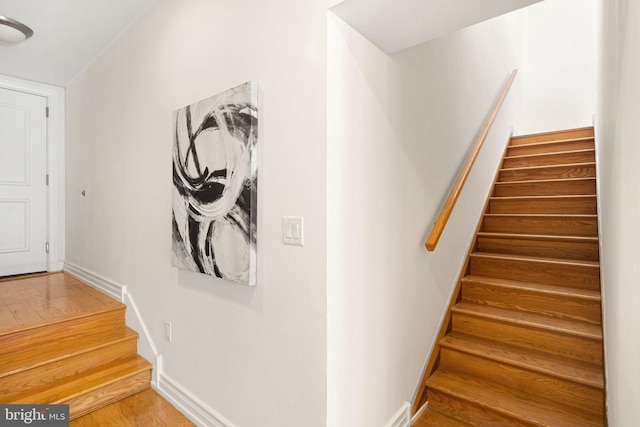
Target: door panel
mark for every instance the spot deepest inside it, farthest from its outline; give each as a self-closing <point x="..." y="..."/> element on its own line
<point x="14" y="228"/>
<point x="14" y="166"/>
<point x="23" y="195"/>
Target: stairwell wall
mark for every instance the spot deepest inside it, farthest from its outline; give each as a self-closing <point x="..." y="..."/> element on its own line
<point x="559" y="65"/>
<point x="399" y="129"/>
<point x="617" y="130"/>
<point x="254" y="356"/>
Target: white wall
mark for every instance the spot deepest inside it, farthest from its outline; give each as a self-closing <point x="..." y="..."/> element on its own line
<point x="559" y="65"/>
<point x="257" y="356"/>
<point x="399" y="128"/>
<point x="619" y="179"/>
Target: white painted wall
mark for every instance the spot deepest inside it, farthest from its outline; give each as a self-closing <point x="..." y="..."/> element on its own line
<point x="399" y="128"/>
<point x="619" y="185"/>
<point x="559" y="65"/>
<point x="257" y="356"/>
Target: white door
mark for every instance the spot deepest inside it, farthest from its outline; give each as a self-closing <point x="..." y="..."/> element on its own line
<point x="23" y="187"/>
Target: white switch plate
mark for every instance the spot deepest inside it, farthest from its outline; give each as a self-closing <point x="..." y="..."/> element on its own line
<point x="167" y="330"/>
<point x="293" y="230"/>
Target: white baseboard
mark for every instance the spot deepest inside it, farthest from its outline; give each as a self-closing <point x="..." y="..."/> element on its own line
<point x="192" y="407"/>
<point x="120" y="293"/>
<point x="402" y="418"/>
<point x="113" y="289"/>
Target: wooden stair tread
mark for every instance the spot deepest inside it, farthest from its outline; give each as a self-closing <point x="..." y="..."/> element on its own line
<point x="555" y="238"/>
<point x="554" y="153"/>
<point x="541" y="223"/>
<point x="534" y="259"/>
<point x="525" y="168"/>
<point x="543" y="181"/>
<point x="578" y="372"/>
<point x="507" y="402"/>
<point x="433" y="418"/>
<point x="539" y="147"/>
<point x="559" y="216"/>
<point x="560" y="291"/>
<point x="531" y="320"/>
<point x="47" y="323"/>
<point x="563" y="197"/>
<point x="581" y="132"/>
<point x="13" y="363"/>
<point x="84" y="382"/>
<point x="557" y="141"/>
<point x="550" y="204"/>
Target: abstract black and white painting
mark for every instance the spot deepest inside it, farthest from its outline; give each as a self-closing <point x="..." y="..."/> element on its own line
<point x="215" y="184"/>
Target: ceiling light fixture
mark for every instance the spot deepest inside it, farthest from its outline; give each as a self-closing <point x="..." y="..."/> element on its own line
<point x="12" y="31"/>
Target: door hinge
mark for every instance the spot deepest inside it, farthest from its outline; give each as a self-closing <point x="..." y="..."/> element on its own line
<point x="47" y="111"/>
<point x="47" y="179"/>
<point x="46" y="246"/>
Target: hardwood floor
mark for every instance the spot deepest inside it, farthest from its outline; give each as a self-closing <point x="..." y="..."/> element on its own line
<point x="146" y="409"/>
<point x="30" y="300"/>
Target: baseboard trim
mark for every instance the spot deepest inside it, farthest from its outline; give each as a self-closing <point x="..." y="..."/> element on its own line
<point x="107" y="286"/>
<point x="118" y="292"/>
<point x="402" y="418"/>
<point x="192" y="407"/>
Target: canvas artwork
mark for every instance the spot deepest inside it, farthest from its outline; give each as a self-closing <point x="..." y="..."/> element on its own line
<point x="215" y="184"/>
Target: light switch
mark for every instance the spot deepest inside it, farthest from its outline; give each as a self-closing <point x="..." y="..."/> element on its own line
<point x="293" y="230"/>
<point x="167" y="330"/>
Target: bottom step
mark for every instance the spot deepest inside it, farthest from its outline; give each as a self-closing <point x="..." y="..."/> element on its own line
<point x="480" y="402"/>
<point x="93" y="389"/>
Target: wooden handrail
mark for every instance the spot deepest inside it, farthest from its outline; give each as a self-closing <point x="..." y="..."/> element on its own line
<point x="445" y="213"/>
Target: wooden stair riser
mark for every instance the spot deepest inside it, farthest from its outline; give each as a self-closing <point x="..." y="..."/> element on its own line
<point x="577" y="205"/>
<point x="546" y="341"/>
<point x="464" y="395"/>
<point x="550" y="273"/>
<point x="57" y="370"/>
<point x="565" y="306"/>
<point x="551" y="147"/>
<point x="560" y="367"/>
<point x="90" y="390"/>
<point x="547" y="390"/>
<point x="52" y="332"/>
<point x="552" y="136"/>
<point x="582" y="170"/>
<point x="576" y="250"/>
<point x="548" y="225"/>
<point x="104" y="396"/>
<point x="549" y="159"/>
<point x="468" y="411"/>
<point x="570" y="187"/>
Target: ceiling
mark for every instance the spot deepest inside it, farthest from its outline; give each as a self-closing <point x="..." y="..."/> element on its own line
<point x="68" y="34"/>
<point x="394" y="25"/>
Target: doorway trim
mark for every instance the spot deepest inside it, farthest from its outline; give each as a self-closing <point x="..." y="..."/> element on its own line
<point x="55" y="161"/>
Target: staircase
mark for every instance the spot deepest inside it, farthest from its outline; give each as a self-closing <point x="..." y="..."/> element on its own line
<point x="64" y="342"/>
<point x="522" y="343"/>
